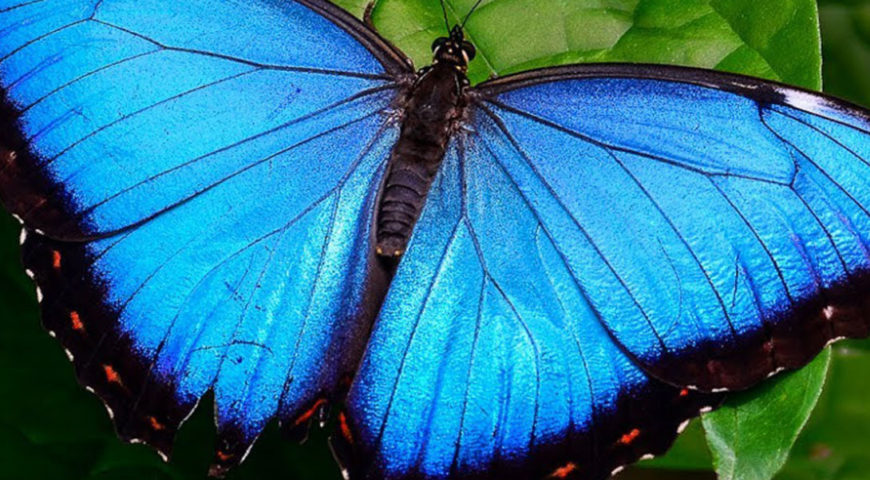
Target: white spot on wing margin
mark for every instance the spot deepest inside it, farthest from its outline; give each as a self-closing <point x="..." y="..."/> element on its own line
<point x="803" y="100"/>
<point x="682" y="427"/>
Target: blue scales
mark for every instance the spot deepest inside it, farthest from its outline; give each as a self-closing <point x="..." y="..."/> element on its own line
<point x="604" y="248"/>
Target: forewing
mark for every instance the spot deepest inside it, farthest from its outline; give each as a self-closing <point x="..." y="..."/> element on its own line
<point x="717" y="224"/>
<point x="196" y="182"/>
<point x="487" y="359"/>
<point x="172" y="98"/>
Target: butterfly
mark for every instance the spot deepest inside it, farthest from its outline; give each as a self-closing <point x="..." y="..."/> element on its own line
<point x="542" y="275"/>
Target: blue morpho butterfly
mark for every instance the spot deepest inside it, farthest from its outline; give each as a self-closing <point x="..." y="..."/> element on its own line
<point x="216" y="196"/>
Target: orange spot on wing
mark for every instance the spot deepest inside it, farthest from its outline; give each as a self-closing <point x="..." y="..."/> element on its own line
<point x="112" y="375"/>
<point x="76" y="321"/>
<point x="223" y="456"/>
<point x="564" y="471"/>
<point x="55" y="259"/>
<point x="155" y="424"/>
<point x="684" y="392"/>
<point x="309" y="413"/>
<point x="345" y="428"/>
<point x="629" y="437"/>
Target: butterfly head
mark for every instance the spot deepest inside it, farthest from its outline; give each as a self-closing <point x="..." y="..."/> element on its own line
<point x="453" y="50"/>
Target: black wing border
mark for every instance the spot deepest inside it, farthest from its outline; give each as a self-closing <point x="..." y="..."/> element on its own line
<point x="395" y="62"/>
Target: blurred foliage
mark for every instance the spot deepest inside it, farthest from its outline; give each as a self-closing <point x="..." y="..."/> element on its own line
<point x="51" y="428"/>
<point x="752" y="434"/>
<point x="834" y="445"/>
<point x="846" y="48"/>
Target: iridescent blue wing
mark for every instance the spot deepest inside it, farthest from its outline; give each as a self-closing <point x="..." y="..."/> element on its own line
<point x="487" y="360"/>
<point x="195" y="181"/>
<point x="601" y="233"/>
<point x="720" y="225"/>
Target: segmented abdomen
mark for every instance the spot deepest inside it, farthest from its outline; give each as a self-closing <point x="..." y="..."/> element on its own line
<point x="413" y="165"/>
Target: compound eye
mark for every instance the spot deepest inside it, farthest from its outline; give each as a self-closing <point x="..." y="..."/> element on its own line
<point x="469" y="50"/>
<point x="438" y="43"/>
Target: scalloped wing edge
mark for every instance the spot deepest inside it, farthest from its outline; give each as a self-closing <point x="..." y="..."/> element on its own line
<point x="649" y="421"/>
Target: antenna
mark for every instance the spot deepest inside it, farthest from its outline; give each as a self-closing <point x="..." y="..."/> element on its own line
<point x="469" y="12"/>
<point x="446" y="22"/>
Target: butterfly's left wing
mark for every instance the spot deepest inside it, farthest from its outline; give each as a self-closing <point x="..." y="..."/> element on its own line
<point x="196" y="182"/>
<point x="601" y="243"/>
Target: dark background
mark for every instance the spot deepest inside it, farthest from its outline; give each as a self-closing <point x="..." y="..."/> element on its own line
<point x="51" y="428"/>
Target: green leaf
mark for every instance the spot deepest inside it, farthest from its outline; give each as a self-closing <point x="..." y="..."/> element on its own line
<point x="356" y="7"/>
<point x="834" y="444"/>
<point x="776" y="39"/>
<point x="751" y="436"/>
<point x="775" y="29"/>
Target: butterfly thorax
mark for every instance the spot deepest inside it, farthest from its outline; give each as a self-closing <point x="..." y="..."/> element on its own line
<point x="431" y="109"/>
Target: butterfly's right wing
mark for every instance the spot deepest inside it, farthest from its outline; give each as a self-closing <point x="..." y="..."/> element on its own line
<point x="487" y="361"/>
<point x="603" y="242"/>
<point x="196" y="182"/>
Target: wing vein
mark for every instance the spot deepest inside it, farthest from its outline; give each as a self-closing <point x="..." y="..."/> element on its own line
<point x="202" y="190"/>
<point x="317" y="277"/>
<point x="353" y="167"/>
<point x="258" y="65"/>
<point x="15" y="7"/>
<point x="453" y="464"/>
<point x="683" y="240"/>
<point x="573" y="332"/>
<point x="426" y="299"/>
<point x="127" y="116"/>
<point x="227" y="148"/>
<point x="525" y="327"/>
<point x="208" y="273"/>
<point x="599" y="143"/>
<point x="487" y="274"/>
<point x="305" y="211"/>
<point x="503" y="128"/>
<point x="813" y="163"/>
<point x="826" y="135"/>
<point x="803" y="200"/>
<point x="40" y="38"/>
<point x="83" y="76"/>
<point x="757" y="236"/>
